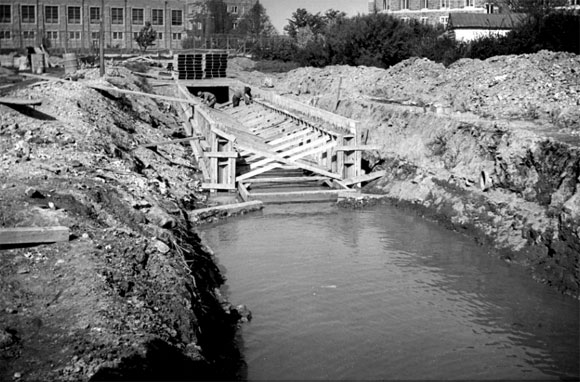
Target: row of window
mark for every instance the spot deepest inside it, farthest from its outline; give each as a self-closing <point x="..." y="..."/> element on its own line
<point x="424" y="4"/>
<point x="51" y="15"/>
<point x="76" y="35"/>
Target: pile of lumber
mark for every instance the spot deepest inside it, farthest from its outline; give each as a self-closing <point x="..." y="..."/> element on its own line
<point x="216" y="65"/>
<point x="197" y="66"/>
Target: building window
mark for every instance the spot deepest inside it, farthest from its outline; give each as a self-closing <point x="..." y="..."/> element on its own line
<point x="117" y="16"/>
<point x="52" y="35"/>
<point x="572" y="2"/>
<point x="28" y="35"/>
<point x="199" y="26"/>
<point x="4" y="35"/>
<point x="469" y="3"/>
<point x="159" y="36"/>
<point x="94" y="15"/>
<point x="74" y="15"/>
<point x="28" y="14"/>
<point x="176" y="17"/>
<point x="5" y="14"/>
<point x="74" y="35"/>
<point x="404" y="4"/>
<point x="235" y="25"/>
<point x="424" y="20"/>
<point x="444" y="3"/>
<point x="157" y="16"/>
<point x="444" y="20"/>
<point x="176" y="36"/>
<point x="405" y="19"/>
<point x="137" y="16"/>
<point x="135" y="35"/>
<point x="95" y="36"/>
<point x="234" y="9"/>
<point x="51" y="14"/>
<point x="117" y="35"/>
<point x="425" y="4"/>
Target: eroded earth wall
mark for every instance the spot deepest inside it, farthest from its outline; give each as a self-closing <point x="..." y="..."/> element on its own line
<point x="133" y="294"/>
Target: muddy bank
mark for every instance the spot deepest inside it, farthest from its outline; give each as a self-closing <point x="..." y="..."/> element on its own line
<point x="133" y="294"/>
<point x="490" y="147"/>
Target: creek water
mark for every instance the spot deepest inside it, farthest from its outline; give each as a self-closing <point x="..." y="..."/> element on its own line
<point x="382" y="294"/>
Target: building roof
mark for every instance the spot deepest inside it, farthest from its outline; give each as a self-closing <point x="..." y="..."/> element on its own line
<point x="485" y="20"/>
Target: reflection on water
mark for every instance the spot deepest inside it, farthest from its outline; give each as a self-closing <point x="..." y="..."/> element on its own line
<point x="377" y="294"/>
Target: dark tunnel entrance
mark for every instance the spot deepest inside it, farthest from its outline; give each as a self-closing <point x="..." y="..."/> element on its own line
<point x="222" y="93"/>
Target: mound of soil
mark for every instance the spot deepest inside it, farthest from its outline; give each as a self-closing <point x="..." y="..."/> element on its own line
<point x="133" y="294"/>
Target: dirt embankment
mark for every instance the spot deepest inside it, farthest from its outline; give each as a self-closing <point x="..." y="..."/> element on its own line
<point x="490" y="147"/>
<point x="133" y="294"/>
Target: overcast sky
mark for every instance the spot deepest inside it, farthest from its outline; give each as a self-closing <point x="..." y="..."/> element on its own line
<point x="281" y="10"/>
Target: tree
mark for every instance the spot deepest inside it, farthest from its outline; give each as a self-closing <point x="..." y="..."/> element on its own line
<point x="332" y="16"/>
<point x="301" y="18"/>
<point x="146" y="37"/>
<point x="213" y="15"/>
<point x="256" y="23"/>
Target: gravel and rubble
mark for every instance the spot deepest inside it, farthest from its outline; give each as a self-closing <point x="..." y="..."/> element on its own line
<point x="133" y="294"/>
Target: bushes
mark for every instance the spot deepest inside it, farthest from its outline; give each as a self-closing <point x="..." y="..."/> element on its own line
<point x="383" y="41"/>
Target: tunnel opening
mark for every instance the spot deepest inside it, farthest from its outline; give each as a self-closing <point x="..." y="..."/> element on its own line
<point x="222" y="93"/>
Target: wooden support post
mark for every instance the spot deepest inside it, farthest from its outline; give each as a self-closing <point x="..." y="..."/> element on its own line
<point x="244" y="194"/>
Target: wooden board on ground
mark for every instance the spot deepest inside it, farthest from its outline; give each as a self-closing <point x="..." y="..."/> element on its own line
<point x="20" y="101"/>
<point x="33" y="235"/>
<point x="153" y="144"/>
<point x="228" y="209"/>
<point x="290" y="179"/>
<point x="297" y="196"/>
<point x="364" y="178"/>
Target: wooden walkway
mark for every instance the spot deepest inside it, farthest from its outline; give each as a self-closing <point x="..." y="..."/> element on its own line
<point x="271" y="154"/>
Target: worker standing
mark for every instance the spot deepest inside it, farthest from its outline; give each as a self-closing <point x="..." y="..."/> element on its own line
<point x="208" y="98"/>
<point x="236" y="98"/>
<point x="247" y="95"/>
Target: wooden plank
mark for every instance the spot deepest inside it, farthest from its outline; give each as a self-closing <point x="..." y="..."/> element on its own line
<point x="290" y="179"/>
<point x="223" y="134"/>
<point x="153" y="144"/>
<point x="301" y="165"/>
<point x="20" y="101"/>
<point x="364" y="178"/>
<point x="243" y="191"/>
<point x="290" y="152"/>
<point x="281" y="126"/>
<point x="291" y="135"/>
<point x="357" y="148"/>
<point x="33" y="235"/>
<point x="44" y="77"/>
<point x="218" y="186"/>
<point x="295" y="196"/>
<point x="227" y="209"/>
<point x="221" y="154"/>
<point x="296" y="141"/>
<point x="150" y="95"/>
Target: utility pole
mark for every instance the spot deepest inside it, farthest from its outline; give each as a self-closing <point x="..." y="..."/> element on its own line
<point x="102" y="41"/>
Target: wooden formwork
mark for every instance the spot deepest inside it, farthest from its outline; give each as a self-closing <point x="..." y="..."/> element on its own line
<point x="215" y="155"/>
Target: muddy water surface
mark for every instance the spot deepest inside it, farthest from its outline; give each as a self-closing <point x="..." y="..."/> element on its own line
<point x="380" y="294"/>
